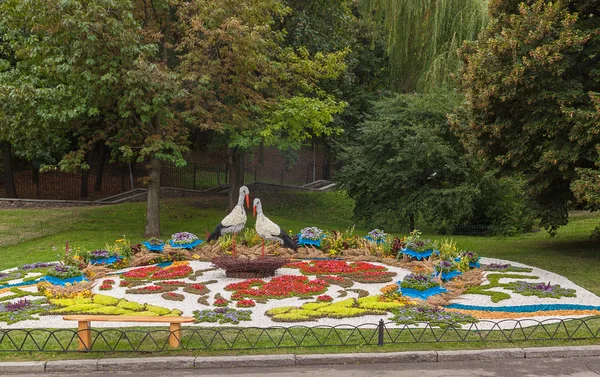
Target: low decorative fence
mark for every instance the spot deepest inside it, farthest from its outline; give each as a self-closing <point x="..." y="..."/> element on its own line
<point x="241" y="338"/>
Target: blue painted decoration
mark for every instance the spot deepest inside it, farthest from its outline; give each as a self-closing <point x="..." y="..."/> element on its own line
<point x="190" y="245"/>
<point x="370" y="239"/>
<point x="57" y="281"/>
<point x="306" y="241"/>
<point x="109" y="260"/>
<point x="418" y="255"/>
<point x="524" y="308"/>
<point x="153" y="247"/>
<point x="423" y="295"/>
<point x="447" y="275"/>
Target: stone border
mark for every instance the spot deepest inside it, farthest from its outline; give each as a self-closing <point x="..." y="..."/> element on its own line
<point x="287" y="360"/>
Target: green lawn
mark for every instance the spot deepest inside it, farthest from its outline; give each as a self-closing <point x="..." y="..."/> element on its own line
<point x="571" y="253"/>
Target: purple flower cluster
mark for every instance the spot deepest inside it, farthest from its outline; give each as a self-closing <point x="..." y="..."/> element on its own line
<point x="419" y="246"/>
<point x="547" y="290"/>
<point x="419" y="282"/>
<point x="498" y="266"/>
<point x="444" y="266"/>
<point x="433" y="315"/>
<point x="99" y="254"/>
<point x="63" y="271"/>
<point x="17" y="305"/>
<point x="471" y="256"/>
<point x="34" y="266"/>
<point x="377" y="234"/>
<point x="182" y="238"/>
<point x="222" y="315"/>
<point x="311" y="233"/>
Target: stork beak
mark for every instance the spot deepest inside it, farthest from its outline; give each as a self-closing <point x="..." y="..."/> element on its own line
<point x="247" y="201"/>
<point x="254" y="211"/>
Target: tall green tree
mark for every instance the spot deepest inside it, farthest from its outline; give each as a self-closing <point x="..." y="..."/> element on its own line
<point x="531" y="85"/>
<point x="407" y="164"/>
<point x="245" y="85"/>
<point x="423" y="38"/>
<point x="86" y="69"/>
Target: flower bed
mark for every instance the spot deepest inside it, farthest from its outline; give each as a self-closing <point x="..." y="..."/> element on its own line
<point x="222" y="315"/>
<point x="409" y="315"/>
<point x="140" y="273"/>
<point x="150" y="289"/>
<point x="172" y="272"/>
<point x="277" y="288"/>
<point x="245" y="304"/>
<point x="107" y="285"/>
<point x="545" y="290"/>
<point x="196" y="289"/>
<point x="172" y="296"/>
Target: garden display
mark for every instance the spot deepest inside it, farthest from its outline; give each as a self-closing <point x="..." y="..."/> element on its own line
<point x="335" y="285"/>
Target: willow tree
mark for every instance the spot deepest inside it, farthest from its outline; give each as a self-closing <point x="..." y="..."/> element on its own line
<point x="423" y="38"/>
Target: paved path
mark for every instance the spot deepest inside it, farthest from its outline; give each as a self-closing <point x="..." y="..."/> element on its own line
<point x="576" y="367"/>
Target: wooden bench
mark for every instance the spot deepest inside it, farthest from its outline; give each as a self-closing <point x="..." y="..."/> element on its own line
<point x="85" y="332"/>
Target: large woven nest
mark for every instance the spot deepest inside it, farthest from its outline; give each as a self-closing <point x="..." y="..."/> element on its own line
<point x="249" y="268"/>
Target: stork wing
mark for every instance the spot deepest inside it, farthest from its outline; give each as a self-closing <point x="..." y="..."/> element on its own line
<point x="236" y="217"/>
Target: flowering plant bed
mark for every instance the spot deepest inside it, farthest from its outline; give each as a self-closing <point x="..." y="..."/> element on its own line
<point x="409" y="315"/>
<point x="505" y="267"/>
<point x="222" y="315"/>
<point x="376" y="235"/>
<point x="150" y="289"/>
<point x="140" y="273"/>
<point x="107" y="285"/>
<point x="196" y="289"/>
<point x="172" y="296"/>
<point x="221" y="302"/>
<point x="245" y="304"/>
<point x="247" y="268"/>
<point x="545" y="290"/>
<point x="37" y="266"/>
<point x="471" y="257"/>
<point x="63" y="272"/>
<point x="444" y="266"/>
<point x="361" y="272"/>
<point x="22" y="310"/>
<point x="277" y="288"/>
<point x="310" y="236"/>
<point x="341" y="281"/>
<point x="416" y="244"/>
<point x="173" y="272"/>
<point x="184" y="240"/>
<point x="154" y="244"/>
<point x="419" y="282"/>
<point x="325" y="298"/>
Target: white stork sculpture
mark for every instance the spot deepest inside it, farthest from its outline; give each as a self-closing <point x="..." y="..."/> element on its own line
<point x="268" y="230"/>
<point x="235" y="221"/>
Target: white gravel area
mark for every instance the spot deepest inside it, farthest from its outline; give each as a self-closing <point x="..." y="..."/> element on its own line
<point x="583" y="296"/>
<point x="259" y="319"/>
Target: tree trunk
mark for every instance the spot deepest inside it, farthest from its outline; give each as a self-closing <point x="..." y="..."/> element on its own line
<point x="411" y="222"/>
<point x="100" y="168"/>
<point x="235" y="167"/>
<point x="153" y="203"/>
<point x="9" y="179"/>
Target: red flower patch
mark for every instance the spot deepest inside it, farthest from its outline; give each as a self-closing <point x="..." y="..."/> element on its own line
<point x="334" y="267"/>
<point x="174" y="272"/>
<point x="197" y="289"/>
<point x="172" y="296"/>
<point x="325" y="298"/>
<point x="140" y="273"/>
<point x="279" y="287"/>
<point x="221" y="302"/>
<point x="245" y="304"/>
<point x="150" y="289"/>
<point x="362" y="272"/>
<point x="107" y="285"/>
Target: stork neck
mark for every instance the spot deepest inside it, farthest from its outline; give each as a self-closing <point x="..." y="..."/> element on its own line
<point x="240" y="202"/>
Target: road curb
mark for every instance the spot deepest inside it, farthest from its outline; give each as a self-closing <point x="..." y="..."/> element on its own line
<point x="290" y="360"/>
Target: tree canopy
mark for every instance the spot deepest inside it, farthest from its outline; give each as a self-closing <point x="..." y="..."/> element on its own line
<point x="531" y="104"/>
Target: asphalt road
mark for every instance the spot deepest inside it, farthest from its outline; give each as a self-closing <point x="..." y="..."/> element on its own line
<point x="579" y="367"/>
